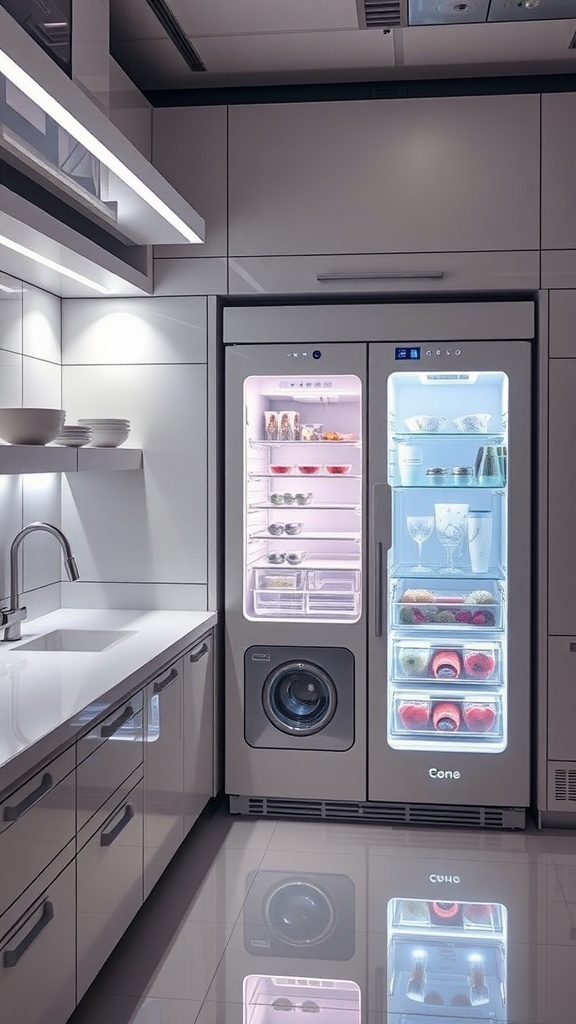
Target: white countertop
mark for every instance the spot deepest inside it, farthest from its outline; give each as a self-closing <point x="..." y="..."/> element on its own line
<point x="47" y="698"/>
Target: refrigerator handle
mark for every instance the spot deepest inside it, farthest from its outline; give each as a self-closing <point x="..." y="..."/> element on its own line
<point x="381" y="532"/>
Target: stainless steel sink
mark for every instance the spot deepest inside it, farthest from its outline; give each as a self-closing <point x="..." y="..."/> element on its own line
<point x="76" y="640"/>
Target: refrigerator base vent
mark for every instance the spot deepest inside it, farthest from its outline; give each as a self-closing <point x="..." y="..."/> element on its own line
<point x="561" y="786"/>
<point x="440" y="815"/>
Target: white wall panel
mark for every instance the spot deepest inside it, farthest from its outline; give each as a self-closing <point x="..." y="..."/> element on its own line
<point x="41" y="553"/>
<point x="41" y="324"/>
<point x="41" y="383"/>
<point x="10" y="313"/>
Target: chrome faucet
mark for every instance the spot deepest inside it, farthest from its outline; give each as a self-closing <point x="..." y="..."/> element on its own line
<point x="12" y="617"/>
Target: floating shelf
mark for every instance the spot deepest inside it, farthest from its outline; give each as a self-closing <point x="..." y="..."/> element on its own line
<point x="19" y="459"/>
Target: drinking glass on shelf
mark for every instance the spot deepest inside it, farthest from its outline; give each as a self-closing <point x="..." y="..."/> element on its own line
<point x="420" y="529"/>
<point x="451" y="525"/>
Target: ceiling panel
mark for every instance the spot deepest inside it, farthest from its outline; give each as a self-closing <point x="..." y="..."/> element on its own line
<point x="133" y="19"/>
<point x="491" y="44"/>
<point x="296" y="51"/>
<point x="232" y="17"/>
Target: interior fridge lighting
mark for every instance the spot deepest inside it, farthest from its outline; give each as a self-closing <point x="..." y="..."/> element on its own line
<point x="23" y="250"/>
<point x="23" y="81"/>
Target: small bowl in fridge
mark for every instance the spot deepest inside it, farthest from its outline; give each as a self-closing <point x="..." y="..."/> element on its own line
<point x="295" y="557"/>
<point x="473" y="423"/>
<point x="309" y="470"/>
<point x="293" y="528"/>
<point x="289" y="499"/>
<point x="276" y="558"/>
<point x="338" y="470"/>
<point x="275" y="529"/>
<point x="303" y="497"/>
<point x="277" y="498"/>
<point x="425" y="424"/>
<point x="281" y="470"/>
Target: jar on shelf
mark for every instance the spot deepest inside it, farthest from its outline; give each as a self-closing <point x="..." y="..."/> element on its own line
<point x="463" y="476"/>
<point x="437" y="476"/>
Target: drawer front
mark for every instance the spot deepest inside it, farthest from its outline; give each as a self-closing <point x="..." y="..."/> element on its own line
<point x="117" y="724"/>
<point x="163" y="773"/>
<point x="109" y="870"/>
<point x="36" y="822"/>
<point x="100" y="774"/>
<point x="37" y="952"/>
<point x="427" y="272"/>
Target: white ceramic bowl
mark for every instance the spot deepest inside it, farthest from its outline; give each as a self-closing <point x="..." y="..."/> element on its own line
<point x="109" y="437"/>
<point x="30" y="426"/>
<point x="425" y="424"/>
<point x="473" y="423"/>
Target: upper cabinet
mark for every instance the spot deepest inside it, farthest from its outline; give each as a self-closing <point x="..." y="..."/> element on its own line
<point x="453" y="174"/>
<point x="558" y="166"/>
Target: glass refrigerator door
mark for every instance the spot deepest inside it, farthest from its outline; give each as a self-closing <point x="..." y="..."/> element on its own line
<point x="303" y="498"/>
<point x="447" y="568"/>
<point x="446" y="961"/>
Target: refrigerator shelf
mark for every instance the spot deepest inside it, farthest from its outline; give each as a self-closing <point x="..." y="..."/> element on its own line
<point x="461" y="488"/>
<point x="312" y="562"/>
<point x="303" y="476"/>
<point x="307" y="603"/>
<point x="439" y="435"/>
<point x="476" y="663"/>
<point x="476" y="718"/>
<point x="254" y="443"/>
<point x="464" y="618"/>
<point x="317" y="506"/>
<point x="434" y="574"/>
<point x="348" y="536"/>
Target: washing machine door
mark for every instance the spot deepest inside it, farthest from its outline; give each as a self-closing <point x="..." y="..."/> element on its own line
<point x="299" y="698"/>
<point x="299" y="913"/>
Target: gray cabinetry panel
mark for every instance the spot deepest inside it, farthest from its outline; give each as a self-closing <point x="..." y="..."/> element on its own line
<point x="561" y="536"/>
<point x="109" y="867"/>
<point x="163" y="772"/>
<point x="198" y="729"/>
<point x="40" y="988"/>
<point x="563" y="324"/>
<point x="385" y="176"/>
<point x="561" y="698"/>
<point x="36" y="822"/>
<point x="558" y="161"/>
<point x="100" y="774"/>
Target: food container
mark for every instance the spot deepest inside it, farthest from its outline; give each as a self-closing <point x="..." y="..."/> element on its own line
<point x="338" y="470"/>
<point x="289" y="425"/>
<point x="311" y="432"/>
<point x="276" y="557"/>
<point x="295" y="557"/>
<point x="303" y="498"/>
<point x="437" y="476"/>
<point x="271" y="425"/>
<point x="308" y="470"/>
<point x="463" y="476"/>
<point x="275" y="529"/>
<point x="289" y="498"/>
<point x="277" y="498"/>
<point x="283" y="579"/>
<point x="281" y="470"/>
<point x="293" y="528"/>
<point x="425" y="424"/>
<point x="473" y="423"/>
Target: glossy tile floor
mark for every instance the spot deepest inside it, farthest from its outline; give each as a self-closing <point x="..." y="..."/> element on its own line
<point x="260" y="922"/>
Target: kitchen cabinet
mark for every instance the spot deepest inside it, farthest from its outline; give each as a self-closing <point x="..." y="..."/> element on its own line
<point x="561" y="593"/>
<point x="38" y="949"/>
<point x="385" y="176"/>
<point x="558" y="163"/>
<point x="109" y="878"/>
<point x="562" y="321"/>
<point x="163" y="772"/>
<point x="561" y="698"/>
<point x="198" y="729"/>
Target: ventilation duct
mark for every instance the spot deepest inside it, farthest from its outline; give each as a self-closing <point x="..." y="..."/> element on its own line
<point x="381" y="13"/>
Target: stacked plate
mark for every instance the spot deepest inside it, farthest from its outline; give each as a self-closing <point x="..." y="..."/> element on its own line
<point x="107" y="433"/>
<point x="72" y="436"/>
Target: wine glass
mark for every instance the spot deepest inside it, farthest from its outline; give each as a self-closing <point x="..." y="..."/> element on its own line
<point x="451" y="524"/>
<point x="420" y="529"/>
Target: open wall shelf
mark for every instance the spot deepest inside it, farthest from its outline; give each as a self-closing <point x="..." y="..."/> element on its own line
<point x="17" y="459"/>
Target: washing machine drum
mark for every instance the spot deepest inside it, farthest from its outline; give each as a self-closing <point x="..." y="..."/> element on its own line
<point x="299" y="913"/>
<point x="299" y="698"/>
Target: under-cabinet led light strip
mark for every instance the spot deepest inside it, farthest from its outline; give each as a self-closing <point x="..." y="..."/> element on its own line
<point x="35" y="92"/>
<point x="22" y="250"/>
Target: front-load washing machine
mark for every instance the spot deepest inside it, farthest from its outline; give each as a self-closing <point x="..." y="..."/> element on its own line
<point x="299" y="698"/>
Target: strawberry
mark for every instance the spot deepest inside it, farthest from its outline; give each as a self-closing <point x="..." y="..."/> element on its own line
<point x="414" y="715"/>
<point x="464" y="616"/>
<point x="479" y="717"/>
<point x="478" y="913"/>
<point x="419" y="615"/>
<point x="479" y="664"/>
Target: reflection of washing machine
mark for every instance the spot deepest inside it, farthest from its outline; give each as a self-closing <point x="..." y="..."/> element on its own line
<point x="299" y="698"/>
<point x="303" y="915"/>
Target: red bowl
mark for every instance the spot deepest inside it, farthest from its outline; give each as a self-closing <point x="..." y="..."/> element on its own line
<point x="309" y="470"/>
<point x="281" y="470"/>
<point x="338" y="470"/>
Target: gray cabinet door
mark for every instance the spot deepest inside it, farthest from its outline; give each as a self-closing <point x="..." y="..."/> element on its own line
<point x="561" y="529"/>
<point x="109" y="867"/>
<point x="37" y="950"/>
<point x="450" y="174"/>
<point x="558" y="162"/>
<point x="163" y="773"/>
<point x="198" y="729"/>
<point x="561" y="698"/>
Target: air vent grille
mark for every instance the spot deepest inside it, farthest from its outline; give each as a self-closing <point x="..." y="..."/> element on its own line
<point x="565" y="784"/>
<point x="381" y="813"/>
<point x="380" y="13"/>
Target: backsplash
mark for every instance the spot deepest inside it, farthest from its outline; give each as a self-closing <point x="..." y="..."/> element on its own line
<point x="30" y="375"/>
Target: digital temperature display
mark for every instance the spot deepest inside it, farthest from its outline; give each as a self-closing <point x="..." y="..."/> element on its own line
<point x="407" y="353"/>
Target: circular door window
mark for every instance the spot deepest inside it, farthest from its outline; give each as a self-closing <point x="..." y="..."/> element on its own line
<point x="299" y="698"/>
<point x="299" y="913"/>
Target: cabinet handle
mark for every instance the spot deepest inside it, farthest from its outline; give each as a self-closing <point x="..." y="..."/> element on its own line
<point x="107" y="838"/>
<point x="385" y="275"/>
<point x="108" y="730"/>
<point x="15" y="812"/>
<point x="378" y="564"/>
<point x="162" y="684"/>
<point x="196" y="655"/>
<point x="12" y="956"/>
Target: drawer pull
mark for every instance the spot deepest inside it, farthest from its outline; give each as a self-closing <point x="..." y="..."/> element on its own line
<point x="107" y="838"/>
<point x="196" y="655"/>
<point x="163" y="684"/>
<point x="13" y="813"/>
<point x="108" y="730"/>
<point x="391" y="275"/>
<point x="12" y="956"/>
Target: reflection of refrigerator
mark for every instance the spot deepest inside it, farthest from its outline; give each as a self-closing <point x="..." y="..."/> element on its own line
<point x="378" y="475"/>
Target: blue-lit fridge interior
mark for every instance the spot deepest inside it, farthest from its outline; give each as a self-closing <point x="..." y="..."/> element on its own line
<point x="447" y="565"/>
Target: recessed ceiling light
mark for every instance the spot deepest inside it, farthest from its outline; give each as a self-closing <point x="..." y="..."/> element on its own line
<point x="30" y="254"/>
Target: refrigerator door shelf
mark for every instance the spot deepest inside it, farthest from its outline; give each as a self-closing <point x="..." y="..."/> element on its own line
<point x="415" y="915"/>
<point x="483" y="712"/>
<point x="465" y="579"/>
<point x="448" y="664"/>
<point x="440" y="435"/>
